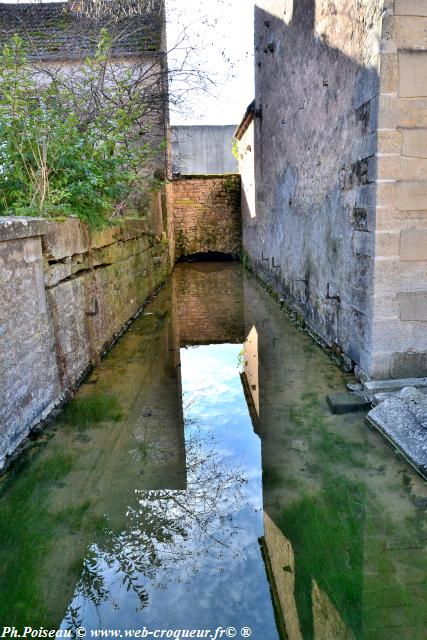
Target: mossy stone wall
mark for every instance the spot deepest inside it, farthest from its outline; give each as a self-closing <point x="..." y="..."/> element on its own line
<point x="67" y="292"/>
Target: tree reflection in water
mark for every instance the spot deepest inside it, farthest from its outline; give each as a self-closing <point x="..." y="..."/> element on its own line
<point x="169" y="535"/>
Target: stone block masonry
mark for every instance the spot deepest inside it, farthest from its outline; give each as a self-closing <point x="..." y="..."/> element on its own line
<point x="206" y="215"/>
<point x="67" y="292"/>
<point x="399" y="331"/>
<point x="340" y="133"/>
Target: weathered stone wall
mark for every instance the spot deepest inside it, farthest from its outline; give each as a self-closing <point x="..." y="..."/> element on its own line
<point x="316" y="68"/>
<point x="206" y="214"/>
<point x="399" y="339"/>
<point x="66" y="293"/>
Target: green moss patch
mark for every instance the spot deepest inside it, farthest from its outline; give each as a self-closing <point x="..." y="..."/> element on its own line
<point x="92" y="410"/>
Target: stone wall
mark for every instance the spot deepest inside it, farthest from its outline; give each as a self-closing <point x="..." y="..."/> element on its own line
<point x="316" y="83"/>
<point x="66" y="293"/>
<point x="399" y="338"/>
<point x="206" y="214"/>
<point x="203" y="149"/>
<point x="340" y="164"/>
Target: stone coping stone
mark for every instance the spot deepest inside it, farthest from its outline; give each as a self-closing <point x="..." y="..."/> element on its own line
<point x="17" y="227"/>
<point x="341" y="403"/>
<point x="376" y="386"/>
<point x="395" y="420"/>
<point x="65" y="238"/>
<point x="69" y="237"/>
<point x="126" y="230"/>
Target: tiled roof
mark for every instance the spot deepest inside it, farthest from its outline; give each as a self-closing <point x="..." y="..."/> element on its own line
<point x="53" y="32"/>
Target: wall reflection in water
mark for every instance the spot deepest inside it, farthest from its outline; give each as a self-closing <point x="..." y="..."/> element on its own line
<point x="344" y="518"/>
<point x="152" y="475"/>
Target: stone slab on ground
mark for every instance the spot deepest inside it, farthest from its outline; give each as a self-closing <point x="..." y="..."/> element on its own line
<point x="340" y="403"/>
<point x="377" y="386"/>
<point x="402" y="420"/>
<point x="377" y="398"/>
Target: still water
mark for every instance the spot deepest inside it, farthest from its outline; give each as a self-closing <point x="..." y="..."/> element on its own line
<point x="198" y="481"/>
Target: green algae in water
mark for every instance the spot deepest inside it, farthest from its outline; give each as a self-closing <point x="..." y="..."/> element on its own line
<point x="348" y="514"/>
<point x="28" y="524"/>
<point x="326" y="532"/>
<point x="91" y="410"/>
<point x="271" y="477"/>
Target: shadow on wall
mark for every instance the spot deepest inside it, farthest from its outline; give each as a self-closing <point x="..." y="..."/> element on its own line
<point x="315" y="165"/>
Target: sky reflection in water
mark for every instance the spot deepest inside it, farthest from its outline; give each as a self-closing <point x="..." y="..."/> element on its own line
<point x="191" y="559"/>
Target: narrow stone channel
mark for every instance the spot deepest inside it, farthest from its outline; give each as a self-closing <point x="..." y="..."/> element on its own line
<point x="198" y="480"/>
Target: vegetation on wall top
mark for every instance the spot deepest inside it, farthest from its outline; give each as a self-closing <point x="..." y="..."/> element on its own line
<point x="72" y="146"/>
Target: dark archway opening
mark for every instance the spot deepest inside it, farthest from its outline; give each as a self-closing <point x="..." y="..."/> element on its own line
<point x="209" y="256"/>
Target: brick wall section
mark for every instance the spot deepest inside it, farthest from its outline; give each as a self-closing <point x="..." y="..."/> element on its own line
<point x="207" y="214"/>
<point x="199" y="317"/>
<point x="66" y="293"/>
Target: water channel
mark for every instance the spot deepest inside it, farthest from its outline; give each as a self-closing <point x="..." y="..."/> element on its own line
<point x="198" y="480"/>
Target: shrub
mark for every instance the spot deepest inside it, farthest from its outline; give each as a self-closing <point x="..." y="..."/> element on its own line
<point x="55" y="163"/>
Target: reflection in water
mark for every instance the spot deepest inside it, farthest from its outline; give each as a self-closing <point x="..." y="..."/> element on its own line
<point x="143" y="504"/>
<point x="167" y="536"/>
<point x="345" y="518"/>
<point x="250" y="377"/>
<point x="193" y="553"/>
<point x="280" y="563"/>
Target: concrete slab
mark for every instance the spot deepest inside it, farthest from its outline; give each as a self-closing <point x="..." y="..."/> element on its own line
<point x="340" y="403"/>
<point x="402" y="419"/>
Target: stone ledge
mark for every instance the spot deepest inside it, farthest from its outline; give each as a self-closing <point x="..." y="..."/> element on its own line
<point x="15" y="228"/>
<point x="410" y="8"/>
<point x="374" y="386"/>
<point x="207" y="176"/>
<point x="66" y="238"/>
<point x="125" y="230"/>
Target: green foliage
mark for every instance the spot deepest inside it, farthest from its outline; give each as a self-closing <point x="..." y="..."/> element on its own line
<point x="235" y="148"/>
<point x="53" y="160"/>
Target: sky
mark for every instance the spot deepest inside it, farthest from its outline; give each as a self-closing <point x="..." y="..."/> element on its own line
<point x="218" y="41"/>
<point x="222" y="33"/>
